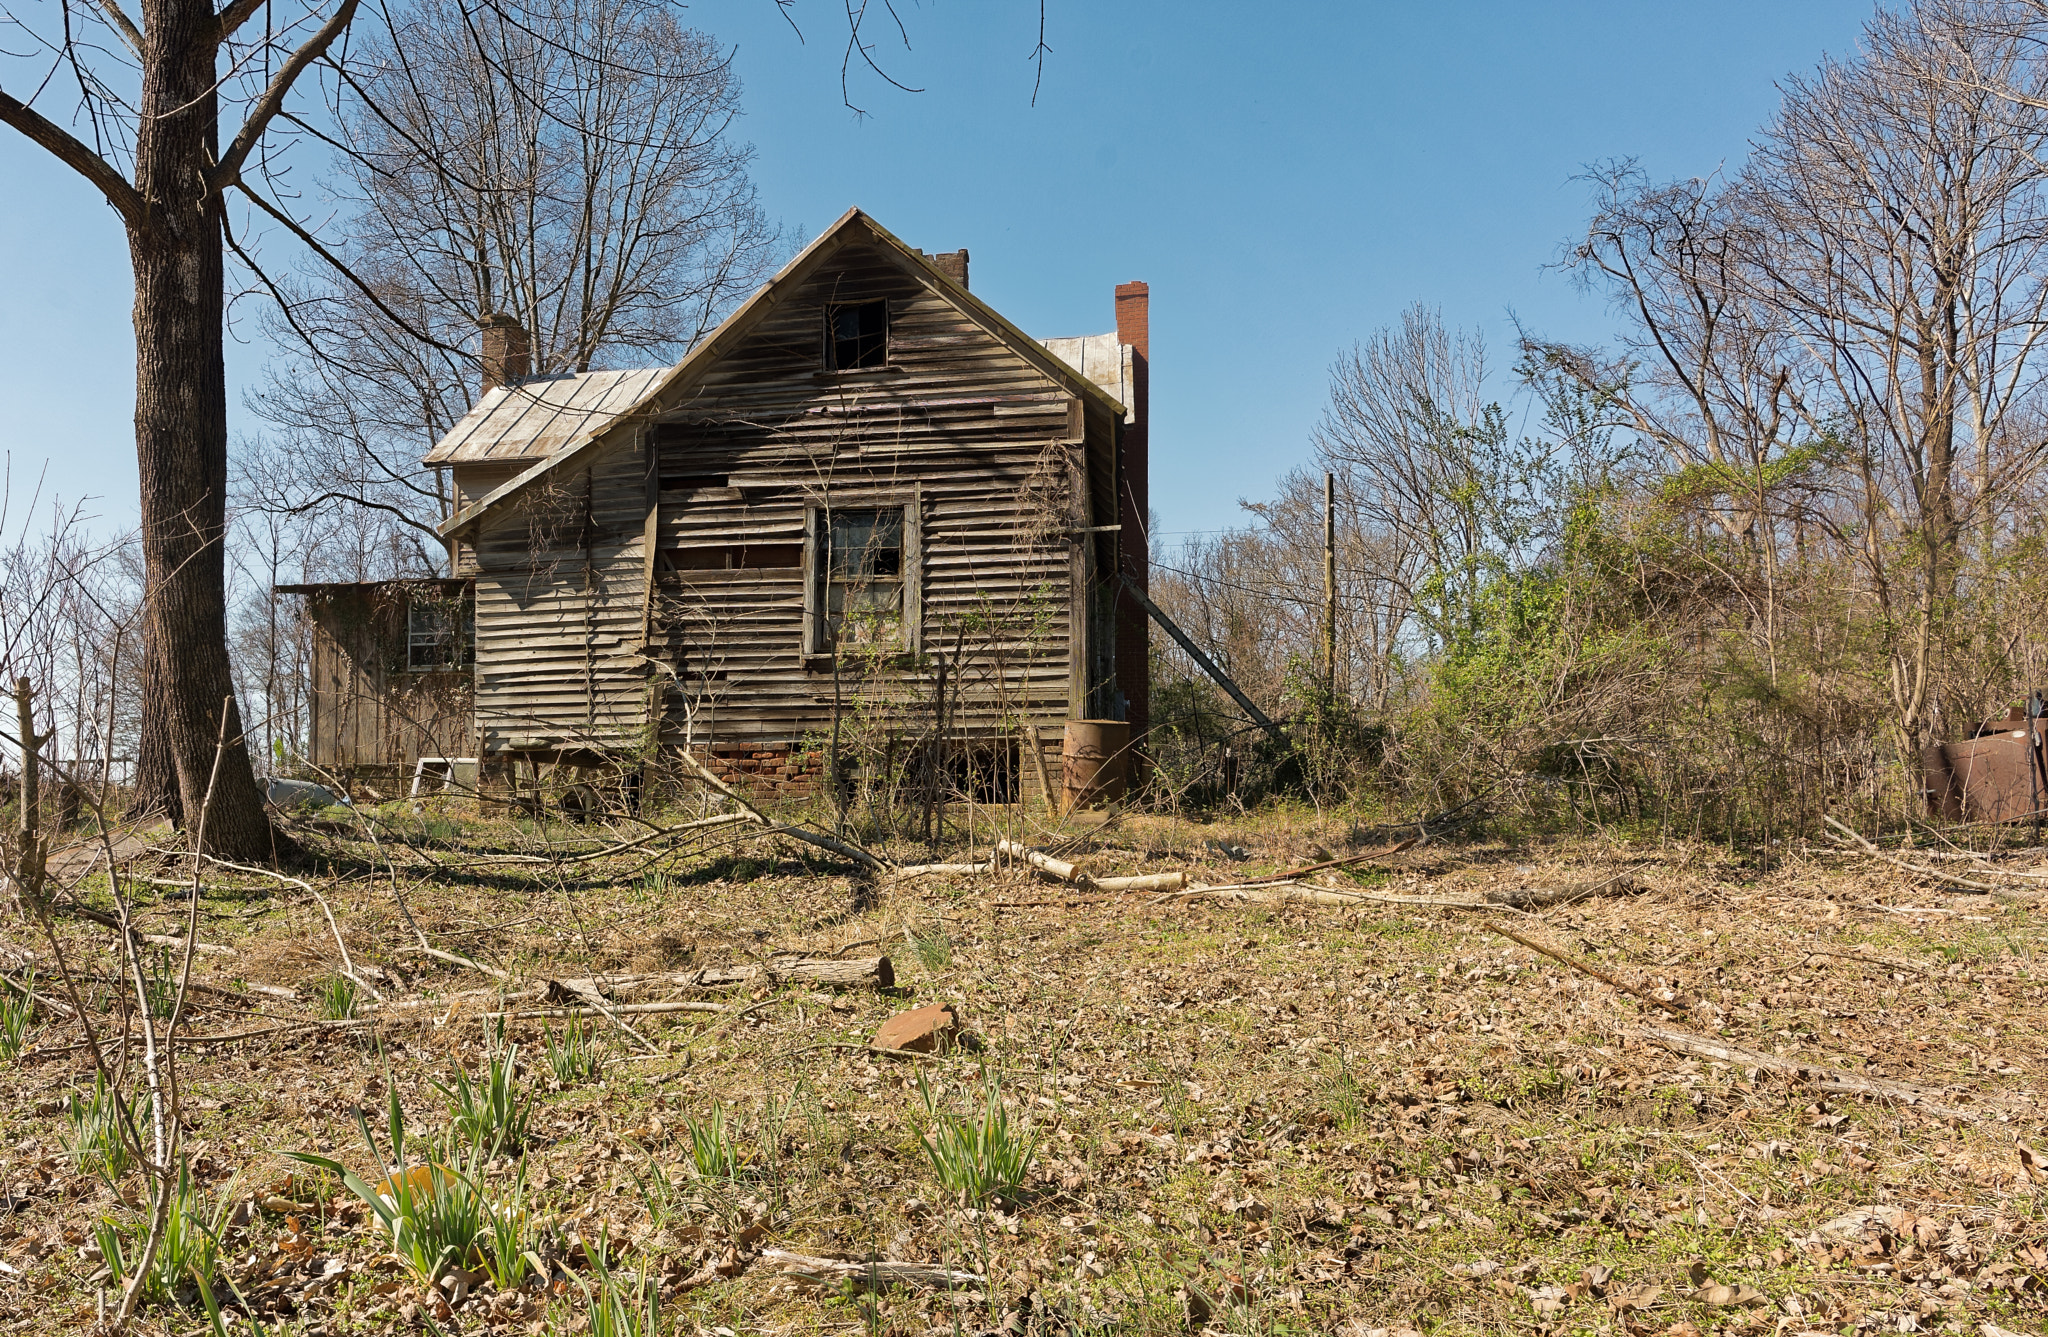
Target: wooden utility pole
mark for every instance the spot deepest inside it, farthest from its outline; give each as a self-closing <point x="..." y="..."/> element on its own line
<point x="1330" y="581"/>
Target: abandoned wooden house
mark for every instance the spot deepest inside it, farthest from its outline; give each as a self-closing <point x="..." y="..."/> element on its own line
<point x="866" y="508"/>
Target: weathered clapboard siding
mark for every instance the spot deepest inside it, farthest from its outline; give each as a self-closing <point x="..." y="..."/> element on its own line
<point x="1002" y="471"/>
<point x="558" y="613"/>
<point x="368" y="713"/>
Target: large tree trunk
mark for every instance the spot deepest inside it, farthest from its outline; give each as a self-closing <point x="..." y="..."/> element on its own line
<point x="156" y="775"/>
<point x="181" y="430"/>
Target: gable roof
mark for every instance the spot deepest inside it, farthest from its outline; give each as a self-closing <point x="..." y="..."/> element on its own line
<point x="851" y="226"/>
<point x="540" y="414"/>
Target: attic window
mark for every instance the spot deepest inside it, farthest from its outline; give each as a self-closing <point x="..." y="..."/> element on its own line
<point x="857" y="335"/>
<point x="440" y="634"/>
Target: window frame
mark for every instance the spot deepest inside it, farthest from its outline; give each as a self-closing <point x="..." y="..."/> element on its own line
<point x="817" y="571"/>
<point x="829" y="353"/>
<point x="461" y="612"/>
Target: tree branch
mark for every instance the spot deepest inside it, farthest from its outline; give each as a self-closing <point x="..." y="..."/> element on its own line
<point x="228" y="171"/>
<point x="122" y="24"/>
<point x="75" y="155"/>
<point x="234" y="16"/>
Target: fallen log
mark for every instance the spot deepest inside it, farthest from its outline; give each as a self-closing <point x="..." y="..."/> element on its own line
<point x="857" y="972"/>
<point x="1044" y="863"/>
<point x="1821" y="1079"/>
<point x="1143" y="882"/>
<point x="621" y="1009"/>
<point x="1541" y="898"/>
<point x="1282" y="893"/>
<point x="869" y="1275"/>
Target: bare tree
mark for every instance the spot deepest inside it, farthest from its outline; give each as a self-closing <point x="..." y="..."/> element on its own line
<point x="569" y="164"/>
<point x="1429" y="464"/>
<point x="152" y="94"/>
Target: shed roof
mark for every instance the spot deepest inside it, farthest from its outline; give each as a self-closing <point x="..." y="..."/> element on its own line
<point x="539" y="415"/>
<point x="671" y="381"/>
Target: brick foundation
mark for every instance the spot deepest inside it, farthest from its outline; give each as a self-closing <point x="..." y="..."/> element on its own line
<point x="772" y="771"/>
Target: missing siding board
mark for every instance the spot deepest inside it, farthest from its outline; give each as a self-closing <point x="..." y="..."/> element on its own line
<point x="698" y="559"/>
<point x="691" y="482"/>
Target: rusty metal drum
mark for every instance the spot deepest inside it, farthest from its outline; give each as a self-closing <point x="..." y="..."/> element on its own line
<point x="1094" y="762"/>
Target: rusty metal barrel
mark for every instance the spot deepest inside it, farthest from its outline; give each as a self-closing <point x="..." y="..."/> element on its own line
<point x="1094" y="762"/>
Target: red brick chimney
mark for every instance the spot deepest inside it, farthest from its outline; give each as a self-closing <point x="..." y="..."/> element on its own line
<point x="953" y="264"/>
<point x="1134" y="493"/>
<point x="507" y="353"/>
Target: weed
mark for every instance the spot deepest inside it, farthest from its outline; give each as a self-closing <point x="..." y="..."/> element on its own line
<point x="336" y="996"/>
<point x="436" y="1215"/>
<point x="190" y="1247"/>
<point x="16" y="1011"/>
<point x="159" y="981"/>
<point x="96" y="1141"/>
<point x="1345" y="1097"/>
<point x="506" y="1256"/>
<point x="574" y="1057"/>
<point x="490" y="1115"/>
<point x="622" y="1306"/>
<point x="712" y="1151"/>
<point x="661" y="1196"/>
<point x="934" y="950"/>
<point x="979" y="1157"/>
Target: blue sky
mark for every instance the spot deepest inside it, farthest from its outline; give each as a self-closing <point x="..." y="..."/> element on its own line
<point x="1287" y="178"/>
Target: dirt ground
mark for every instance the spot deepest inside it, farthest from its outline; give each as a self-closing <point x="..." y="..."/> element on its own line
<point x="1246" y="1118"/>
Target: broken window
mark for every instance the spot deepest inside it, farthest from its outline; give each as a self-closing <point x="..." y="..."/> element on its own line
<point x="864" y="577"/>
<point x="440" y="633"/>
<point x="856" y="335"/>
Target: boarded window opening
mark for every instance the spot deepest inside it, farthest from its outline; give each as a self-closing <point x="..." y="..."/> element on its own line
<point x="857" y="335"/>
<point x="440" y="634"/>
<point x="734" y="557"/>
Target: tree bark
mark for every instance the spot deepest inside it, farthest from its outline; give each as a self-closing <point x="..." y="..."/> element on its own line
<point x="176" y="244"/>
<point x="156" y="778"/>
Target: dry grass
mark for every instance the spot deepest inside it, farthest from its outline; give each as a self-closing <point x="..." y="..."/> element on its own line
<point x="1249" y="1119"/>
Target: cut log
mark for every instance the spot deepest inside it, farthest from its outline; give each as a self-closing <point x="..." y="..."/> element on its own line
<point x="874" y="1275"/>
<point x="1044" y="863"/>
<point x="1144" y="882"/>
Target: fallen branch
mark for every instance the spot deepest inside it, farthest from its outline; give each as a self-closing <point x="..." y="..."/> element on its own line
<point x="456" y="959"/>
<point x="1919" y="870"/>
<point x="1824" y="1079"/>
<point x="348" y="967"/>
<point x="723" y="819"/>
<point x="623" y="1009"/>
<point x="928" y="869"/>
<point x="753" y="814"/>
<point x="1340" y="863"/>
<point x="1677" y="1003"/>
<point x="872" y="1275"/>
<point x="854" y="972"/>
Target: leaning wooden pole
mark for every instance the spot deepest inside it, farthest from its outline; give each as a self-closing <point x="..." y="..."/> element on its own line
<point x="1206" y="664"/>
